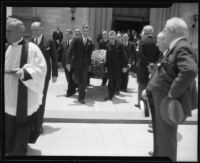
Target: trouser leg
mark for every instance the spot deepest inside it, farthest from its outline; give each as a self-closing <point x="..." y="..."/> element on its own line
<point x="83" y="82"/>
<point x="166" y="135"/>
<point x="42" y="106"/>
<point x="71" y="84"/>
<point x="111" y="84"/>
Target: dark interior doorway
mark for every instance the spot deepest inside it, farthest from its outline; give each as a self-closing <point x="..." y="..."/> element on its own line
<point x="123" y="26"/>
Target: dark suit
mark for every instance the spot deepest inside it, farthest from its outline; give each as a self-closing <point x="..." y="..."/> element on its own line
<point x="58" y="36"/>
<point x="71" y="85"/>
<point x="115" y="61"/>
<point x="102" y="45"/>
<point x="131" y="56"/>
<point x="48" y="50"/>
<point x="148" y="53"/>
<point x="180" y="64"/>
<point x="79" y="56"/>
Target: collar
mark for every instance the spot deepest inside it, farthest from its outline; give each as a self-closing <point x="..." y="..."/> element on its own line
<point x="38" y="39"/>
<point x="173" y="43"/>
<point x="105" y="40"/>
<point x="165" y="52"/>
<point x="18" y="42"/>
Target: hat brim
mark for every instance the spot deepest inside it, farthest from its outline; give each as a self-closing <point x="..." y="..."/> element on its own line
<point x="171" y="111"/>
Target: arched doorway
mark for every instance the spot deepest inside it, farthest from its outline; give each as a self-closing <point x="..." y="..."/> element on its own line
<point x="130" y="18"/>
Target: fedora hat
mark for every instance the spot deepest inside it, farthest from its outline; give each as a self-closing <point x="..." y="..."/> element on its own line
<point x="172" y="111"/>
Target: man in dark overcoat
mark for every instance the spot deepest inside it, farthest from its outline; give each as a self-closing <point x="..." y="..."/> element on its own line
<point x="174" y="79"/>
<point x="71" y="89"/>
<point x="131" y="59"/>
<point x="102" y="45"/>
<point x="148" y="53"/>
<point x="48" y="50"/>
<point x="79" y="58"/>
<point x="115" y="64"/>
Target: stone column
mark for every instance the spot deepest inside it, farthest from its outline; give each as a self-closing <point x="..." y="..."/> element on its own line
<point x="99" y="19"/>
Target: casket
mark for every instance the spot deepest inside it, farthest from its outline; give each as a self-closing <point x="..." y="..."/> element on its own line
<point x="98" y="59"/>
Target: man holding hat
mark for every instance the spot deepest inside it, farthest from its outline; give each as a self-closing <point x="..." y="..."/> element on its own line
<point x="173" y="87"/>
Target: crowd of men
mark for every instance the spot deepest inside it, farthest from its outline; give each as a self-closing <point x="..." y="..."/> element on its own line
<point x="166" y="69"/>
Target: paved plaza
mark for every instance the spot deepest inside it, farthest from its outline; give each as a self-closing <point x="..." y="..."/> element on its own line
<point x="103" y="128"/>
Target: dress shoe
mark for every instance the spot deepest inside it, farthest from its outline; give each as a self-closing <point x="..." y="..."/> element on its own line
<point x="108" y="98"/>
<point x="150" y="125"/>
<point x="150" y="153"/>
<point x="70" y="94"/>
<point x="82" y="101"/>
<point x="136" y="105"/>
<point x="150" y="130"/>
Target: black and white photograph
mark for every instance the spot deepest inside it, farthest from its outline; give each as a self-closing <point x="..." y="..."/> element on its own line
<point x="101" y="81"/>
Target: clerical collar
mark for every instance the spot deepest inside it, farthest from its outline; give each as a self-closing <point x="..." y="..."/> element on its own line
<point x="19" y="42"/>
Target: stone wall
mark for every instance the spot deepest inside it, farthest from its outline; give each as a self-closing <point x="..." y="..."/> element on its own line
<point x="187" y="11"/>
<point x="53" y="16"/>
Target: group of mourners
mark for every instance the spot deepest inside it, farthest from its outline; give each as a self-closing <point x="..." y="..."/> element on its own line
<point x="166" y="71"/>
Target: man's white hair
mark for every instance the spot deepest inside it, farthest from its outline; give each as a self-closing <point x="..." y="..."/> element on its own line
<point x="177" y="26"/>
<point x="112" y="33"/>
<point x="161" y="35"/>
<point x="36" y="23"/>
<point x="18" y="24"/>
<point x="148" y="30"/>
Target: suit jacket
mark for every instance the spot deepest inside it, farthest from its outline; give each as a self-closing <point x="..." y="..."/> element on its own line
<point x="131" y="52"/>
<point x="48" y="50"/>
<point x="78" y="55"/>
<point x="148" y="52"/>
<point x="116" y="56"/>
<point x="176" y="75"/>
<point x="58" y="36"/>
<point x="102" y="44"/>
<point x="64" y="48"/>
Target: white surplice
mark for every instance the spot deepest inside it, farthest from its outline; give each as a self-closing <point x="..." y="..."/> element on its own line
<point x="36" y="67"/>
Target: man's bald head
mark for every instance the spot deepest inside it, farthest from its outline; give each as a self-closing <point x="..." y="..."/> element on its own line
<point x="36" y="28"/>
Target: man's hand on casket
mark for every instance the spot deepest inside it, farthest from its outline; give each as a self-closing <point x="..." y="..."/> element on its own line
<point x="68" y="67"/>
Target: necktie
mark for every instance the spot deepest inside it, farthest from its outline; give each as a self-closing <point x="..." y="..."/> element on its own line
<point x="85" y="40"/>
<point x="36" y="41"/>
<point x="67" y="43"/>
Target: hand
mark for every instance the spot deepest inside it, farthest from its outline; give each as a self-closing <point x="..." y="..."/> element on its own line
<point x="169" y="95"/>
<point x="68" y="67"/>
<point x="129" y="66"/>
<point x="19" y="72"/>
<point x="124" y="70"/>
<point x="150" y="67"/>
<point x="54" y="79"/>
<point x="144" y="94"/>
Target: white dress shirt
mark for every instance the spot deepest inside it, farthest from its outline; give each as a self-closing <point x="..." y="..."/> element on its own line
<point x="38" y="39"/>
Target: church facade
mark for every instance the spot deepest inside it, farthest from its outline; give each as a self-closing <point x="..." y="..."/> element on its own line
<point x="118" y="19"/>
